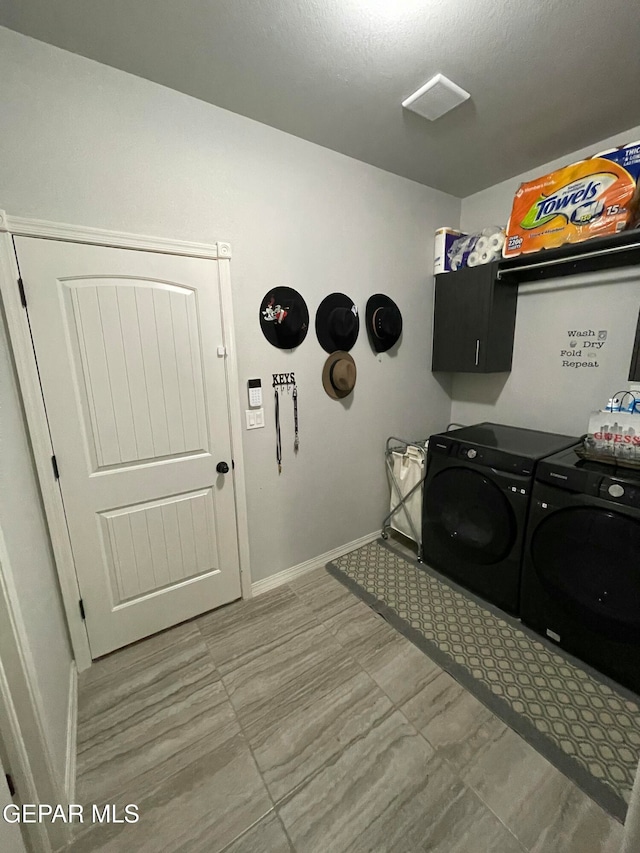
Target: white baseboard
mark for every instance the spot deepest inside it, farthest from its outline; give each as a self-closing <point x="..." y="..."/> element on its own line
<point x="72" y="735"/>
<point x="315" y="563"/>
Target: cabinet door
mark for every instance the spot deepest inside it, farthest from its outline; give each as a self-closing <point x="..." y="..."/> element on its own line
<point x="460" y="319"/>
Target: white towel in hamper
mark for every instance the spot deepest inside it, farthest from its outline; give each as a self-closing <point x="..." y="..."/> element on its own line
<point x="408" y="469"/>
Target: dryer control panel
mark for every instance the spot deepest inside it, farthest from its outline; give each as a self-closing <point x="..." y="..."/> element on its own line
<point x="496" y="459"/>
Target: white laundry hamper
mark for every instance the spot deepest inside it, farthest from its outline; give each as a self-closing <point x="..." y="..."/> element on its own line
<point x="406" y="466"/>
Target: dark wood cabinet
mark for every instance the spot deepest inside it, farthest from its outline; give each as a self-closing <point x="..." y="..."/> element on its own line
<point x="474" y="321"/>
<point x="475" y="308"/>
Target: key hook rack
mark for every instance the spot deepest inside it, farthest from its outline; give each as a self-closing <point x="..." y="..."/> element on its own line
<point x="284" y="380"/>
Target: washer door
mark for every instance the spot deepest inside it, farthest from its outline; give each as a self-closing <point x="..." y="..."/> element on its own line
<point x="587" y="559"/>
<point x="470" y="516"/>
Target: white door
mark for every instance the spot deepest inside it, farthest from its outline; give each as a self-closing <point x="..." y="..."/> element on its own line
<point x="136" y="397"/>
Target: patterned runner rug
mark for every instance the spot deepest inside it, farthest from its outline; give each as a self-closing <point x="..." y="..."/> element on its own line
<point x="586" y="725"/>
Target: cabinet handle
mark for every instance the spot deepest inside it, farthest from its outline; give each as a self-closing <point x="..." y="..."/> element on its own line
<point x="477" y="351"/>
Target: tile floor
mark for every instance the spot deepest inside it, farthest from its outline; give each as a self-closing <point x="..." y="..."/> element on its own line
<point x="301" y="721"/>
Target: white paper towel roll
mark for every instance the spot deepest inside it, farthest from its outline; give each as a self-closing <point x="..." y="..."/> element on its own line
<point x="482" y="244"/>
<point x="474" y="259"/>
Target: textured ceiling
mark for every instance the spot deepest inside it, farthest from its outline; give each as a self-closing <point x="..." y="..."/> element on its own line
<point x="545" y="77"/>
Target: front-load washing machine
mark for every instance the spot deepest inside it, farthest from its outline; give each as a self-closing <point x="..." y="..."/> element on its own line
<point x="476" y="497"/>
<point x="581" y="567"/>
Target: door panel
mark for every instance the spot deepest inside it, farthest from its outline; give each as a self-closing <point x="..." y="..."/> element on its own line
<point x="144" y="391"/>
<point x="165" y="541"/>
<point x="460" y="320"/>
<point x="136" y="397"/>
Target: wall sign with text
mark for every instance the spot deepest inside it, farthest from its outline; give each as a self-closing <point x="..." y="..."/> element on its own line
<point x="583" y="348"/>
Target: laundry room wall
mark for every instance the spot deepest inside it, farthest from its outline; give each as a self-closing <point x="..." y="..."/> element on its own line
<point x="541" y="391"/>
<point x="90" y="145"/>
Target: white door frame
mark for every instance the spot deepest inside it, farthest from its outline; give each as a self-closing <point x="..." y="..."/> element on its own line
<point x="27" y="370"/>
<point x="11" y="834"/>
<point x="27" y="753"/>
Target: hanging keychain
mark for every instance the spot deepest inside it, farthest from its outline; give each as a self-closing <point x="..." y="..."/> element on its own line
<point x="278" y="436"/>
<point x="288" y="381"/>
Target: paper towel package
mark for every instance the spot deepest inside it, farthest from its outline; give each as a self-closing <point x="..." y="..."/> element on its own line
<point x="592" y="198"/>
<point x="445" y="237"/>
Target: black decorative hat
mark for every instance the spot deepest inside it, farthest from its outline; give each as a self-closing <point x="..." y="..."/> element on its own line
<point x="284" y="317"/>
<point x="337" y="323"/>
<point x="384" y="322"/>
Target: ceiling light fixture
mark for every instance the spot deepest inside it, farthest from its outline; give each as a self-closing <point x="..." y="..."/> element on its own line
<point x="435" y="98"/>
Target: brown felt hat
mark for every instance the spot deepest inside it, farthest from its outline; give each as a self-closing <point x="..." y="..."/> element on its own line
<point x="339" y="375"/>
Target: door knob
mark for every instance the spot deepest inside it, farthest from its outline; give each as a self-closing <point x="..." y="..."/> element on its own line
<point x="222" y="468"/>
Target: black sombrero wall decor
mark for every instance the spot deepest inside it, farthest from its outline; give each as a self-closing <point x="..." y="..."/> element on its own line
<point x="284" y="317"/>
<point x="337" y="323"/>
<point x="383" y="321"/>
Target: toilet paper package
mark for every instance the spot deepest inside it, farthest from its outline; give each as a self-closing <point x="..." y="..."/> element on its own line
<point x="592" y="198"/>
<point x="472" y="250"/>
<point x="445" y="238"/>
